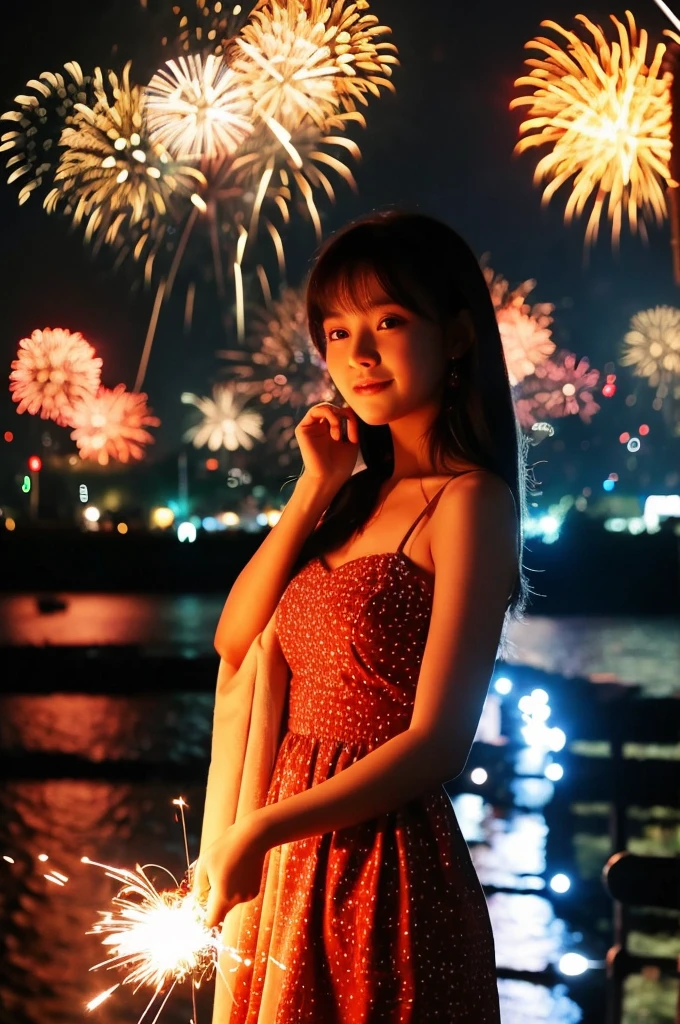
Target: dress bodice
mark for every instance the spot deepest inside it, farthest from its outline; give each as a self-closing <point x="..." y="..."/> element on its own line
<point x="354" y="638"/>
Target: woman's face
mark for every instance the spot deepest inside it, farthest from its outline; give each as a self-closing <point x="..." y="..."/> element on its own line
<point x="390" y="344"/>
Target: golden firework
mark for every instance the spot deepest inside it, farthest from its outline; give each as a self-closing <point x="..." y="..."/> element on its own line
<point x="288" y="65"/>
<point x="37" y="122"/>
<point x="110" y="174"/>
<point x="365" y="62"/>
<point x="652" y="348"/>
<point x="606" y="115"/>
<point x="197" y="108"/>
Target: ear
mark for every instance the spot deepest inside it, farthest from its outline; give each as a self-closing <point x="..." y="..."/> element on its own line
<point x="460" y="334"/>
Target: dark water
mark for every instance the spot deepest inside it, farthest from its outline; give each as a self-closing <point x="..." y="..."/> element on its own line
<point x="144" y="751"/>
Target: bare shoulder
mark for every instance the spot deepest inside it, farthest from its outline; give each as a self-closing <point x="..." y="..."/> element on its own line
<point x="479" y="502"/>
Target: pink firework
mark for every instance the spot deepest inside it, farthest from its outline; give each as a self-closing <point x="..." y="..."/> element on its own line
<point x="559" y="387"/>
<point x="525" y="330"/>
<point x="527" y="341"/>
<point x="110" y="425"/>
<point x="53" y="371"/>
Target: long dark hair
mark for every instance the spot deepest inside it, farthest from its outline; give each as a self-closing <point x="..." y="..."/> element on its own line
<point x="423" y="265"/>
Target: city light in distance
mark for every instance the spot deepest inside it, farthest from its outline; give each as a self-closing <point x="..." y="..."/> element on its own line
<point x="186" y="532"/>
<point x="162" y="518"/>
<point x="554" y="772"/>
<point x="92" y="514"/>
<point x="478" y="776"/>
<point x="35" y="463"/>
<point x="503" y="685"/>
<point x="573" y="964"/>
<point x="230" y="518"/>
<point x="560" y="883"/>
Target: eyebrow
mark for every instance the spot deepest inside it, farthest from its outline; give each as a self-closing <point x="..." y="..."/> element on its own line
<point x="335" y="313"/>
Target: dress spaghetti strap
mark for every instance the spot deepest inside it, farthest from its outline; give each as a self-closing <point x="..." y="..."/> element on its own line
<point x="431" y="505"/>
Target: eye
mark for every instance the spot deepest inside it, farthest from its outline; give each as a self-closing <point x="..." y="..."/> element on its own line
<point x="336" y="330"/>
<point x="391" y="322"/>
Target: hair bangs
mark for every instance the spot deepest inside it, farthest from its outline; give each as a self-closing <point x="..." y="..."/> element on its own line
<point x="345" y="277"/>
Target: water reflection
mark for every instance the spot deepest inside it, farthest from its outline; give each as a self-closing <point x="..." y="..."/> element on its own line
<point x="175" y="730"/>
<point x="521" y="826"/>
<point x="47" y="953"/>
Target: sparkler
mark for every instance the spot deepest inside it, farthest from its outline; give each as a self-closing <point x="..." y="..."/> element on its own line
<point x="606" y="114"/>
<point x="159" y="937"/>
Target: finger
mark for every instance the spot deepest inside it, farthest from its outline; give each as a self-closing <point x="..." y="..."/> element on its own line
<point x="324" y="414"/>
<point x="200" y="882"/>
<point x="217" y="909"/>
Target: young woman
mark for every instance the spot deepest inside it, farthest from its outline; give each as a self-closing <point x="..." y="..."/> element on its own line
<point x="390" y="613"/>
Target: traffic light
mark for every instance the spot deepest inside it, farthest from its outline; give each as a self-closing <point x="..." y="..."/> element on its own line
<point x="35" y="463"/>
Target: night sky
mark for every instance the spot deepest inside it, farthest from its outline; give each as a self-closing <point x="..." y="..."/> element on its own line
<point x="443" y="144"/>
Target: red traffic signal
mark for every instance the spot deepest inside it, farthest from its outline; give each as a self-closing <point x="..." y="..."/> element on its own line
<point x="35" y="463"/>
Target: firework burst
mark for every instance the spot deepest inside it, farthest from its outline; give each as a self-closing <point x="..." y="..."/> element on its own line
<point x="110" y="175"/>
<point x="652" y="349"/>
<point x="365" y="63"/>
<point x="226" y="423"/>
<point x="304" y="66"/>
<point x="525" y="330"/>
<point x="197" y="108"/>
<point x="283" y="364"/>
<point x="37" y="122"/>
<point x="288" y="66"/>
<point x="559" y="387"/>
<point x="53" y="371"/>
<point x="112" y="425"/>
<point x="208" y="25"/>
<point x="606" y="115"/>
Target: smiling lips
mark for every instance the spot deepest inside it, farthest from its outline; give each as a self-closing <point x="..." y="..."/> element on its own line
<point x="370" y="387"/>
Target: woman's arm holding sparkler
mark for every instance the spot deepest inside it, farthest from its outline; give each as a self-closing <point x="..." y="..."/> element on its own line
<point x="473" y="543"/>
<point x="329" y="460"/>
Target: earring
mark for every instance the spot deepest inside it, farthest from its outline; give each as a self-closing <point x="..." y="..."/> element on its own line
<point x="452" y="384"/>
<point x="453" y="379"/>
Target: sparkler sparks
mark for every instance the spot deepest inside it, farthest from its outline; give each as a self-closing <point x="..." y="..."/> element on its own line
<point x="159" y="937"/>
<point x="198" y="109"/>
<point x="607" y="116"/>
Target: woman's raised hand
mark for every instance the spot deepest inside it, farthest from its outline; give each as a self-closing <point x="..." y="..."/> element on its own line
<point x="328" y="454"/>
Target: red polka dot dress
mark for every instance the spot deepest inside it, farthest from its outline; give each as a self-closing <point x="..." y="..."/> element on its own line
<point x="384" y="922"/>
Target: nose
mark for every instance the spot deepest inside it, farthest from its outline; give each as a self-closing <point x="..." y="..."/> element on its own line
<point x="364" y="351"/>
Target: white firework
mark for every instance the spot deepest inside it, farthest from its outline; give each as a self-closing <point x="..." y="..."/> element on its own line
<point x="197" y="109"/>
<point x="226" y="423"/>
